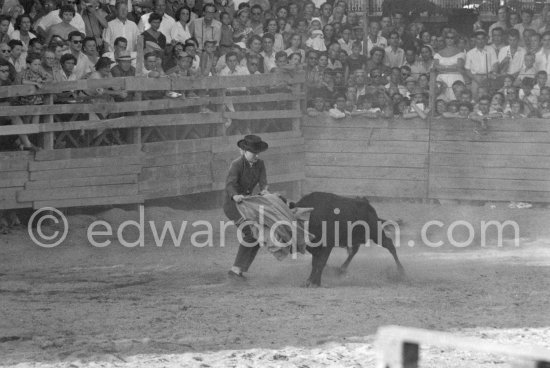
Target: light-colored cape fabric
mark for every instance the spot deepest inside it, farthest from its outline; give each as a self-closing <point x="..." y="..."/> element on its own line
<point x="281" y="230"/>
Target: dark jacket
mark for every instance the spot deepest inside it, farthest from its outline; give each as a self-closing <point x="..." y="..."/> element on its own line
<point x="241" y="179"/>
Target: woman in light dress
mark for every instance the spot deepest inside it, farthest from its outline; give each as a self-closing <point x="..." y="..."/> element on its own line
<point x="449" y="63"/>
<point x="180" y="30"/>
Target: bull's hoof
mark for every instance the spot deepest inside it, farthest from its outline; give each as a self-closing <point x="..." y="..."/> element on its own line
<point x="340" y="272"/>
<point x="309" y="284"/>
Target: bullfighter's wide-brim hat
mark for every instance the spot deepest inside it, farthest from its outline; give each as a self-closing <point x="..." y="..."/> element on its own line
<point x="252" y="143"/>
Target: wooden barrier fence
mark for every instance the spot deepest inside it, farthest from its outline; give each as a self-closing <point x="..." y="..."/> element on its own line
<point x="437" y="159"/>
<point x="398" y="347"/>
<point x="167" y="147"/>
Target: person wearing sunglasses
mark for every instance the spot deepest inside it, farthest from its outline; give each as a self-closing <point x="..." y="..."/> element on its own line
<point x="83" y="64"/>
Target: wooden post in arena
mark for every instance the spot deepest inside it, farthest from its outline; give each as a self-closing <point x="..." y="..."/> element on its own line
<point x="135" y="133"/>
<point x="365" y="25"/>
<point x="433" y="77"/>
<point x="48" y="138"/>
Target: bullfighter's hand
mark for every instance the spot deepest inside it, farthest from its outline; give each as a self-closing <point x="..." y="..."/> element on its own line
<point x="238" y="198"/>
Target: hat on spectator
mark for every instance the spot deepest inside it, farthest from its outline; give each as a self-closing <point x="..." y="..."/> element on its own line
<point x="242" y="45"/>
<point x="480" y="32"/>
<point x="252" y="143"/>
<point x="125" y="55"/>
<point x="242" y="10"/>
<point x="103" y="62"/>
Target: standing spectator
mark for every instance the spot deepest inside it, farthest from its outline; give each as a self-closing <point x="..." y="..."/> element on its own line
<point x="165" y="24"/>
<point x="502" y="21"/>
<point x="180" y="31"/>
<point x="95" y="21"/>
<point x="257" y="20"/>
<point x="206" y="28"/>
<point x="15" y="59"/>
<point x="83" y="64"/>
<point x="374" y="38"/>
<point x="121" y="26"/>
<point x="481" y="61"/>
<point x="226" y="39"/>
<point x="5" y="22"/>
<point x="22" y="33"/>
<point x="542" y="58"/>
<point x="153" y="39"/>
<point x="511" y="57"/>
<point x="55" y="17"/>
<point x="268" y="53"/>
<point x="424" y="64"/>
<point x="449" y="62"/>
<point x="394" y="54"/>
<point x="33" y="75"/>
<point x="498" y="40"/>
<point x="241" y="26"/>
<point x="65" y="27"/>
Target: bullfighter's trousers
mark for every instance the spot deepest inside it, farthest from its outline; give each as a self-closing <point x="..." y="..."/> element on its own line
<point x="246" y="253"/>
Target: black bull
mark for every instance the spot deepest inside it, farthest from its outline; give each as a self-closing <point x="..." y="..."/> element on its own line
<point x="338" y="213"/>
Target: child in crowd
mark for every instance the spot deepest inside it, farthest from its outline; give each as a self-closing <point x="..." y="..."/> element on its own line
<point x="208" y="59"/>
<point x="540" y="82"/>
<point x="526" y="95"/>
<point x="418" y="106"/>
<point x="517" y="110"/>
<point x="339" y="110"/>
<point x="318" y="107"/>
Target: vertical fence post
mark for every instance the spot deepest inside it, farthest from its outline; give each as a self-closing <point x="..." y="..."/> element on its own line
<point x="433" y="77"/>
<point x="135" y="133"/>
<point x="48" y="137"/>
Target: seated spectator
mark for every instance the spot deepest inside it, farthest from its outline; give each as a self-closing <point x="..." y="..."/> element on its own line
<point x="208" y="59"/>
<point x="296" y="46"/>
<point x="49" y="63"/>
<point x="120" y="45"/>
<point x="65" y="28"/>
<point x="440" y="108"/>
<point x="124" y="67"/>
<point x="89" y="48"/>
<point x="318" y="106"/>
<point x="418" y="107"/>
<point x="482" y="114"/>
<point x="151" y="69"/>
<point x="183" y="67"/>
<point x="464" y="110"/>
<point x="66" y="72"/>
<point x="517" y="110"/>
<point x="339" y="110"/>
<point x="497" y="103"/>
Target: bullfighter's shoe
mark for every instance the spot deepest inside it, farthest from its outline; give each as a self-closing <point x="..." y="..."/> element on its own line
<point x="236" y="276"/>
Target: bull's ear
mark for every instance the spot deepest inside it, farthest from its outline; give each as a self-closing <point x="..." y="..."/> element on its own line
<point x="291" y="205"/>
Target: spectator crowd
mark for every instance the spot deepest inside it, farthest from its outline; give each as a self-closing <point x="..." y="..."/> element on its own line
<point x="496" y="70"/>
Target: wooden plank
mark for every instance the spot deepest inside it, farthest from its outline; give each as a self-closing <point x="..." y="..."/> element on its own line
<point x="279" y="164"/>
<point x="177" y="159"/>
<point x="471" y="136"/>
<point x="489" y="172"/>
<point x="8" y="199"/>
<point x="491" y="148"/>
<point x="510" y="161"/>
<point x="274" y="144"/>
<point x="489" y="195"/>
<point x="13" y="182"/>
<point x="490" y="184"/>
<point x="15" y="164"/>
<point x="259" y="115"/>
<point x="367" y="135"/>
<point x="283" y="178"/>
<point x="175" y="189"/>
<point x="85" y="172"/>
<point x="363" y="159"/>
<point x="77" y="192"/>
<point x="86" y="162"/>
<point x="358" y="122"/>
<point x="82" y="182"/>
<point x="350" y="172"/>
<point x="494" y="125"/>
<point x="88" y="152"/>
<point x="369" y="187"/>
<point x="411" y="147"/>
<point x="124" y="122"/>
<point x="139" y="106"/>
<point x="164" y="173"/>
<point x="257" y="80"/>
<point x="177" y="147"/>
<point x="86" y="202"/>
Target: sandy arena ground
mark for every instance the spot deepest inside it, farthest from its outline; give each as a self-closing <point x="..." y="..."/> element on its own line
<point x="80" y="306"/>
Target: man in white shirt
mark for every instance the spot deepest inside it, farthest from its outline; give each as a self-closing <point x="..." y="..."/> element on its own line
<point x="53" y="18"/>
<point x="166" y="24"/>
<point x="233" y="68"/>
<point x="206" y="28"/>
<point x="374" y="38"/>
<point x="542" y="58"/>
<point x="268" y="54"/>
<point x="121" y="27"/>
<point x="394" y="54"/>
<point x="511" y="57"/>
<point x="481" y="61"/>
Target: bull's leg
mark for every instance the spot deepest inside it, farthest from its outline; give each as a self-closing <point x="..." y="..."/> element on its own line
<point x="314" y="261"/>
<point x="322" y="259"/>
<point x="351" y="253"/>
<point x="388" y="244"/>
